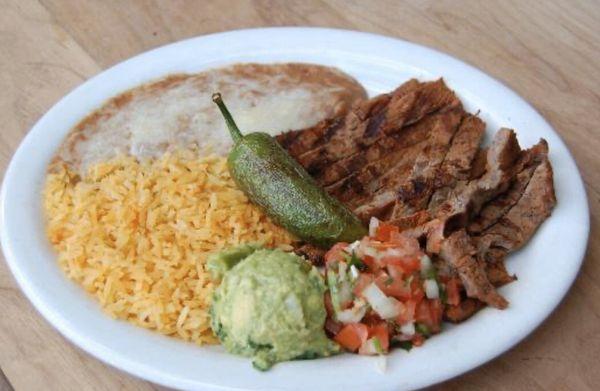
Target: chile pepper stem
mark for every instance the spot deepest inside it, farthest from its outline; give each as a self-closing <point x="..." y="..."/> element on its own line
<point x="236" y="135"/>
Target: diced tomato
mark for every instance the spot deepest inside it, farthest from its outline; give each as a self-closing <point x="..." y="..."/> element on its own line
<point x="408" y="314"/>
<point x="453" y="291"/>
<point x="409" y="245"/>
<point x="418" y="340"/>
<point x="337" y="253"/>
<point x="370" y="262"/>
<point x="429" y="312"/>
<point x="437" y="310"/>
<point x="352" y="336"/>
<point x="393" y="286"/>
<point x="423" y="314"/>
<point x="416" y="287"/>
<point x="395" y="271"/>
<point x="381" y="332"/>
<point x="408" y="264"/>
<point x="363" y="280"/>
<point x="411" y="264"/>
<point x="384" y="231"/>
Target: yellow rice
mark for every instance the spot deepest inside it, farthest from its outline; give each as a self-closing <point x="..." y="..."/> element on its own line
<point x="136" y="236"/>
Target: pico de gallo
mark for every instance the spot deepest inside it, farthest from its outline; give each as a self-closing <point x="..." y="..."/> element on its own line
<point x="384" y="291"/>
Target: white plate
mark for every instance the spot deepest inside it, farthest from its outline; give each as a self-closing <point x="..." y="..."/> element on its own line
<point x="546" y="267"/>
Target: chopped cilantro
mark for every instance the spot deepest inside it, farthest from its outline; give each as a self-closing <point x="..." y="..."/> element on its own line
<point x="422" y="329"/>
<point x="354" y="260"/>
<point x="406" y="345"/>
<point x="377" y="345"/>
<point x="443" y="294"/>
<point x="389" y="281"/>
<point x="430" y="274"/>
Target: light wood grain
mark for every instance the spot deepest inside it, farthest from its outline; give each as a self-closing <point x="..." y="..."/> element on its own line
<point x="548" y="51"/>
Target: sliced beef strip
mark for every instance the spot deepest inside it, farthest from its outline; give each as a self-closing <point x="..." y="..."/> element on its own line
<point x="386" y="150"/>
<point x="446" y="234"/>
<point x="512" y="230"/>
<point x="463" y="311"/>
<point x="394" y="166"/>
<point x="467" y="199"/>
<point x="459" y="251"/>
<point x="357" y="188"/>
<point x="497" y="274"/>
<point x="314" y="254"/>
<point x="330" y="145"/>
<point x="414" y="190"/>
<point x="441" y="170"/>
<point x="458" y="163"/>
<point x="299" y="141"/>
<point x="518" y="225"/>
<point x="368" y="124"/>
<point x="414" y="194"/>
<point x="496" y="208"/>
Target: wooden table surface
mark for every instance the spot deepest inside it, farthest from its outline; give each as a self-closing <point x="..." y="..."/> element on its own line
<point x="548" y="51"/>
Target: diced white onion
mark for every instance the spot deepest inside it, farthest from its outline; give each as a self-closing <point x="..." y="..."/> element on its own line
<point x="368" y="347"/>
<point x="370" y="251"/>
<point x="354" y="314"/>
<point x="425" y="263"/>
<point x="373" y="225"/>
<point x="432" y="291"/>
<point x="353" y="246"/>
<point x="342" y="268"/>
<point x="294" y="307"/>
<point x="408" y="328"/>
<point x="385" y="307"/>
<point x="392" y="252"/>
<point x="381" y="363"/>
<point x="353" y="272"/>
<point x="344" y="293"/>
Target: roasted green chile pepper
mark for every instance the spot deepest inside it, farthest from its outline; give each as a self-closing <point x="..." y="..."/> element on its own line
<point x="272" y="179"/>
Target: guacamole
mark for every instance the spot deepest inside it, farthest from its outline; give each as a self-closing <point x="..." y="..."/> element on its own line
<point x="269" y="306"/>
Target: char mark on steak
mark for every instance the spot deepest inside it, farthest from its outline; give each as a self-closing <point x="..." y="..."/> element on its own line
<point x="518" y="225"/>
<point x="412" y="192"/>
<point x="525" y="167"/>
<point x="377" y="118"/>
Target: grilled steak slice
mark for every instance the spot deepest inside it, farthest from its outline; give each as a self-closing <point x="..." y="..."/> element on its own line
<point x="314" y="254"/>
<point x="519" y="224"/>
<point x="446" y="234"/>
<point x="361" y="173"/>
<point x="299" y="141"/>
<point x="463" y="311"/>
<point x="413" y="191"/>
<point x="497" y="274"/>
<point x="414" y="194"/>
<point x="303" y="141"/>
<point x="378" y="118"/>
<point x="459" y="251"/>
<point x="458" y="163"/>
<point x="467" y="199"/>
<point x="496" y="208"/>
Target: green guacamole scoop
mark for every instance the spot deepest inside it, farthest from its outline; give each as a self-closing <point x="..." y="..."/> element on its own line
<point x="269" y="306"/>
